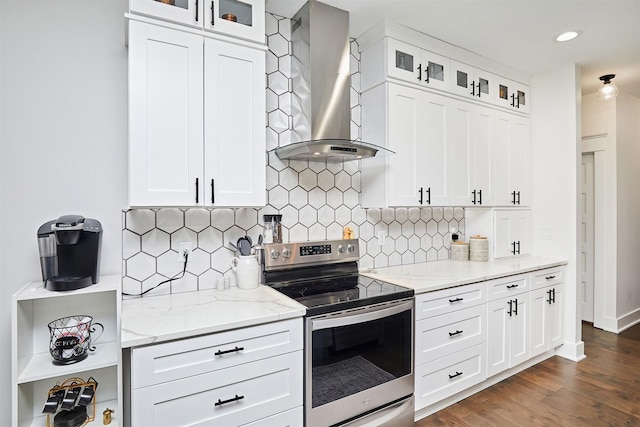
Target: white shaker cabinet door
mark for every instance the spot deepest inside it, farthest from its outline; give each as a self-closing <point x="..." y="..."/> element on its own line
<point x="165" y="116"/>
<point x="235" y="134"/>
<point x="435" y="164"/>
<point x="512" y="158"/>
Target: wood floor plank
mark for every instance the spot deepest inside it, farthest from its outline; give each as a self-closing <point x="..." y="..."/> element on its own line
<point x="602" y="390"/>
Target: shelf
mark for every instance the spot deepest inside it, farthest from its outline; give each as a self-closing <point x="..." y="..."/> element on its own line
<point x="40" y="365"/>
<point x="36" y="290"/>
<point x="100" y="407"/>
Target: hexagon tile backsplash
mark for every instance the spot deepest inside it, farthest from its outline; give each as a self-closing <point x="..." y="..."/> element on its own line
<point x="316" y="200"/>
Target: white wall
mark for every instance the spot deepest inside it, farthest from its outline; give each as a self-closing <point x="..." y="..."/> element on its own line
<point x="63" y="95"/>
<point x="555" y="141"/>
<point x="628" y="177"/>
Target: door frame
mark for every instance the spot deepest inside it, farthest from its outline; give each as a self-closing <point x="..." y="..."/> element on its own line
<point x="596" y="144"/>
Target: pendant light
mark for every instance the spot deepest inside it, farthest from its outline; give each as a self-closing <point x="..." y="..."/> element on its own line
<point x="608" y="90"/>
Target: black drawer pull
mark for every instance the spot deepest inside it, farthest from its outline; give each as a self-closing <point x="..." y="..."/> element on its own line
<point x="455" y="300"/>
<point x="233" y="350"/>
<point x="513" y="286"/>
<point x="550" y="277"/>
<point x="453" y="334"/>
<point x="233" y="399"/>
<point x="457" y="374"/>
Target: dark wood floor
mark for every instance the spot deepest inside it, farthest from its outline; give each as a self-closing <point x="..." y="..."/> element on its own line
<point x="602" y="390"/>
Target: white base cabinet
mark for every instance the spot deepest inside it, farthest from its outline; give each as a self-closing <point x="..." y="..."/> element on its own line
<point x="33" y="373"/>
<point x="508" y="230"/>
<point x="467" y="336"/>
<point x="250" y="376"/>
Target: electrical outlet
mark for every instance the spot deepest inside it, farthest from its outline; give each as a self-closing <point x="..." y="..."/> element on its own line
<point x="184" y="248"/>
<point x="381" y="237"/>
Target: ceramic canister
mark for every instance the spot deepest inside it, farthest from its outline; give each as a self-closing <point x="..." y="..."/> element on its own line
<point x="478" y="248"/>
<point x="459" y="251"/>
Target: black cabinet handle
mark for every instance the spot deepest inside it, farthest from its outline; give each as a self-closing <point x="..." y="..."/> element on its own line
<point x="429" y="195"/>
<point x="233" y="350"/>
<point x="421" y="191"/>
<point x="549" y="301"/>
<point x="420" y="72"/>
<point x="473" y="193"/>
<point x="553" y="295"/>
<point x="513" y="251"/>
<point x="518" y="193"/>
<point x="197" y="190"/>
<point x="197" y="10"/>
<point x="513" y="100"/>
<point x="513" y="200"/>
<point x="550" y="277"/>
<point x="515" y="307"/>
<point x="212" y="13"/>
<point x="233" y="399"/>
<point x="213" y="192"/>
<point x="453" y="334"/>
<point x="518" y="243"/>
<point x="479" y="197"/>
<point x="427" y="72"/>
<point x="515" y="285"/>
<point x="510" y="312"/>
<point x="457" y="374"/>
<point x="455" y="300"/>
<point x="479" y="92"/>
<point x="473" y="88"/>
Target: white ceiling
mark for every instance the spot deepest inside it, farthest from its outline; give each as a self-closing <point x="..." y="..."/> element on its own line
<point x="517" y="33"/>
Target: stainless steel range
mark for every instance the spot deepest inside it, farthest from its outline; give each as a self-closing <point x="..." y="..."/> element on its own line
<point x="358" y="334"/>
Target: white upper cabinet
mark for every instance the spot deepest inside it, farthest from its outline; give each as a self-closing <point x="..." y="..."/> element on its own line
<point x="237" y="18"/>
<point x="165" y="116"/>
<point x="511" y="95"/>
<point x="414" y="124"/>
<point x="472" y="82"/>
<point x="512" y="160"/>
<point x="196" y="120"/>
<point x="471" y="131"/>
<point x="512" y="232"/>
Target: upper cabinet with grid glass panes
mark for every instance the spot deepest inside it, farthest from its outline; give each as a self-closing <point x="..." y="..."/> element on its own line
<point x="237" y="18"/>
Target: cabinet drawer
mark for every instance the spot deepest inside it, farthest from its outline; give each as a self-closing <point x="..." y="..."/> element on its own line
<point x="227" y="397"/>
<point x="444" y="335"/>
<point x="449" y="375"/>
<point x="173" y="360"/>
<point x="291" y="418"/>
<point x="448" y="300"/>
<point x="506" y="286"/>
<point x="547" y="277"/>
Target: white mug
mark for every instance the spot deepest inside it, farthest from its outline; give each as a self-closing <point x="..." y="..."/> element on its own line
<point x="247" y="271"/>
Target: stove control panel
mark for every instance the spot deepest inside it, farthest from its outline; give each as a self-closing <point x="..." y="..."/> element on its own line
<point x="299" y="254"/>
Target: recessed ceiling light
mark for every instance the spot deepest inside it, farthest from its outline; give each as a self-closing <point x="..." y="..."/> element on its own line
<point x="568" y="35"/>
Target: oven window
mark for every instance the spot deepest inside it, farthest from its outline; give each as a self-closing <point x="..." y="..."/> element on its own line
<point x="351" y="358"/>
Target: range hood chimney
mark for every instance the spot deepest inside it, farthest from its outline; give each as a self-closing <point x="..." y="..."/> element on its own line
<point x="321" y="80"/>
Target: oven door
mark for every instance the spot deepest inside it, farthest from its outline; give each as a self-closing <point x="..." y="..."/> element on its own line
<point x="358" y="361"/>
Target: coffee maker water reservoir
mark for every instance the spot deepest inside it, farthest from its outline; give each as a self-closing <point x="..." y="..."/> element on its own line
<point x="70" y="252"/>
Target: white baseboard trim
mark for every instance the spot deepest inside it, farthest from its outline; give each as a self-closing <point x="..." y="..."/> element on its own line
<point x="628" y="320"/>
<point x="572" y="351"/>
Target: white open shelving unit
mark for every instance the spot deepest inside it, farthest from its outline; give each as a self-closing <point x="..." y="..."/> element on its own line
<point x="34" y="374"/>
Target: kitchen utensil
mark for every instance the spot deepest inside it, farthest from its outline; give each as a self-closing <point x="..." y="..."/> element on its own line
<point x="237" y="249"/>
<point x="244" y="245"/>
<point x="71" y="340"/>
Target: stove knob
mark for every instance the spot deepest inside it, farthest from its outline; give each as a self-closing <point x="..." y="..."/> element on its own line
<point x="341" y="249"/>
<point x="274" y="254"/>
<point x="351" y="248"/>
<point x="286" y="253"/>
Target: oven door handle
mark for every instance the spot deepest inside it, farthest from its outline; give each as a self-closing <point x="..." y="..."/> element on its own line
<point x="352" y="317"/>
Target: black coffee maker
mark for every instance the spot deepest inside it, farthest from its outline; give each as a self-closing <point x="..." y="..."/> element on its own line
<point x="70" y="252"/>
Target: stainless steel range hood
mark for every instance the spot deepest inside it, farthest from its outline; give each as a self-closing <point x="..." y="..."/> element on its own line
<point x="321" y="81"/>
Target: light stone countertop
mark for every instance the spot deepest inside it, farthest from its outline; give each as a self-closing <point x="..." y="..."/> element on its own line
<point x="435" y="275"/>
<point x="155" y="319"/>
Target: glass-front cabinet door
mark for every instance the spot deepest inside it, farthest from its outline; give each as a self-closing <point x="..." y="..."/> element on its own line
<point x="404" y="61"/>
<point x="187" y="12"/>
<point x="239" y="18"/>
<point x="435" y="70"/>
<point x="512" y="95"/>
<point x="471" y="82"/>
